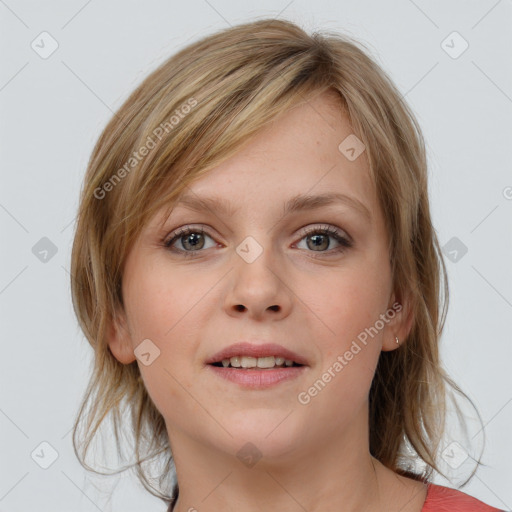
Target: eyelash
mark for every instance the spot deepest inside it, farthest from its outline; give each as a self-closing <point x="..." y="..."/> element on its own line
<point x="345" y="243"/>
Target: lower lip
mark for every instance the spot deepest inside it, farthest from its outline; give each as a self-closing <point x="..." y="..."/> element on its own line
<point x="258" y="379"/>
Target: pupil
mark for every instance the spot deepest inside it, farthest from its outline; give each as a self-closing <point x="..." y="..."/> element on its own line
<point x="193" y="239"/>
<point x="317" y="242"/>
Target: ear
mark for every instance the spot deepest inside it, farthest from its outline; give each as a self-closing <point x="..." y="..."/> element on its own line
<point x="400" y="325"/>
<point x="119" y="339"/>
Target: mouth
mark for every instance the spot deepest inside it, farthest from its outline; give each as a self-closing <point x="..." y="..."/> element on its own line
<point x="256" y="366"/>
<point x="256" y="363"/>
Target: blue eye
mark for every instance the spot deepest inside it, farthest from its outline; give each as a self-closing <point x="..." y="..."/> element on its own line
<point x="320" y="239"/>
<point x="189" y="238"/>
<point x="193" y="240"/>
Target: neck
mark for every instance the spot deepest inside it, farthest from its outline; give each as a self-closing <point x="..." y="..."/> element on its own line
<point x="339" y="470"/>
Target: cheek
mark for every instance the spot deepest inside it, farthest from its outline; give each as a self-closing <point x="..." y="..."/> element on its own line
<point x="168" y="308"/>
<point x="346" y="308"/>
<point x="162" y="301"/>
<point x="346" y="301"/>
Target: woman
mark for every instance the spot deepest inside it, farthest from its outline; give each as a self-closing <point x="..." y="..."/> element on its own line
<point x="256" y="269"/>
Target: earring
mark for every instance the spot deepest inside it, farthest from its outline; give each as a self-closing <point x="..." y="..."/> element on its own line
<point x="397" y="342"/>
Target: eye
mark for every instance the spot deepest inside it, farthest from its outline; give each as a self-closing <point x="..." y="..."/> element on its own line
<point x="319" y="239"/>
<point x="191" y="240"/>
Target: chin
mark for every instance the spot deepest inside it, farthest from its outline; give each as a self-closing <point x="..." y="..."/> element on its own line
<point x="269" y="433"/>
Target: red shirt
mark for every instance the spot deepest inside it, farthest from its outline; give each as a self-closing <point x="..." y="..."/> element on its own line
<point x="444" y="499"/>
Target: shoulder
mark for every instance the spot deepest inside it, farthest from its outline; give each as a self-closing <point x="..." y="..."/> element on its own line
<point x="441" y="499"/>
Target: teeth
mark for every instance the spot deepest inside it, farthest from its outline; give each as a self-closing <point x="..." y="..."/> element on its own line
<point x="248" y="362"/>
<point x="256" y="362"/>
<point x="235" y="362"/>
<point x="266" y="362"/>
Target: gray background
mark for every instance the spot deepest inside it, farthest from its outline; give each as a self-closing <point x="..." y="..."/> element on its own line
<point x="52" y="111"/>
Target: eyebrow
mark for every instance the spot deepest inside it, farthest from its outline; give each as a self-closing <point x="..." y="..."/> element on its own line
<point x="294" y="204"/>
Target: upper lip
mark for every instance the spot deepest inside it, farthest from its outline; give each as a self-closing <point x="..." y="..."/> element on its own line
<point x="245" y="348"/>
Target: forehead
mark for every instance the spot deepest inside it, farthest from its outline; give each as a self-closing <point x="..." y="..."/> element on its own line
<point x="294" y="164"/>
<point x="302" y="152"/>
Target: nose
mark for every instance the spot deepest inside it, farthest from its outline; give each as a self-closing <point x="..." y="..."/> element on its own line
<point x="258" y="289"/>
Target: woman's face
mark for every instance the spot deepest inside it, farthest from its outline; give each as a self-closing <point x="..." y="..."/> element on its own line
<point x="258" y="267"/>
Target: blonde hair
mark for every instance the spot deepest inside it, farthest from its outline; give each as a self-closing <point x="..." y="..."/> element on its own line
<point x="195" y="111"/>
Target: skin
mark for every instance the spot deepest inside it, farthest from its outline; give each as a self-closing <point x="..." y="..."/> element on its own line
<point x="315" y="457"/>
